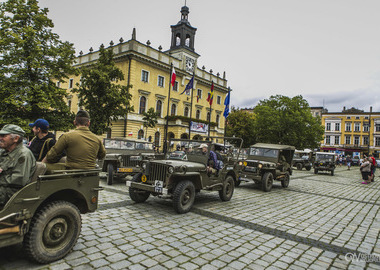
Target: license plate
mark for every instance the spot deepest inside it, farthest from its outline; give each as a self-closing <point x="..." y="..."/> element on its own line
<point x="125" y="170"/>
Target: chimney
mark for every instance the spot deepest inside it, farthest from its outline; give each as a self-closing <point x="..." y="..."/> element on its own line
<point x="344" y="108"/>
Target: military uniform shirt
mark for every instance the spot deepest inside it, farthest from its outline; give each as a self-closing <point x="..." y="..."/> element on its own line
<point x="17" y="167"/>
<point x="82" y="149"/>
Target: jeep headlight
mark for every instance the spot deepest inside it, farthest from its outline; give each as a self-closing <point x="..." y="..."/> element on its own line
<point x="171" y="169"/>
<point x="120" y="158"/>
<point x="260" y="166"/>
<point x="143" y="166"/>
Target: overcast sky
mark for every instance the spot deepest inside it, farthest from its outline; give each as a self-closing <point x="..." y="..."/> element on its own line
<point x="328" y="51"/>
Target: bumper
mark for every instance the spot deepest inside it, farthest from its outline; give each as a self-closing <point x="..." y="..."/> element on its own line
<point x="146" y="187"/>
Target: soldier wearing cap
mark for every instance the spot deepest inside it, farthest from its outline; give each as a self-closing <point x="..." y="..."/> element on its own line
<point x="43" y="140"/>
<point x="81" y="145"/>
<point x="17" y="163"/>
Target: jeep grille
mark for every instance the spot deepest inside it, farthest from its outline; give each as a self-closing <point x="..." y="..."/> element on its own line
<point x="157" y="171"/>
<point x="129" y="163"/>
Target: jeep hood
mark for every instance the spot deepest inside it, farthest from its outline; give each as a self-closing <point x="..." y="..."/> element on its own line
<point x="179" y="163"/>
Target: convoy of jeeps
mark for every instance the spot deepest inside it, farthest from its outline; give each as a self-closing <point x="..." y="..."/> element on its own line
<point x="45" y="215"/>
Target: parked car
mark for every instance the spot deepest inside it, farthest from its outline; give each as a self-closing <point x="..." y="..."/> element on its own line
<point x="125" y="156"/>
<point x="268" y="162"/>
<point x="303" y="159"/>
<point x="185" y="172"/>
<point x="45" y="214"/>
<point x="324" y="161"/>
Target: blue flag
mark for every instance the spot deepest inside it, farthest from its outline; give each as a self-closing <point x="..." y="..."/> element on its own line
<point x="227" y="104"/>
<point x="189" y="86"/>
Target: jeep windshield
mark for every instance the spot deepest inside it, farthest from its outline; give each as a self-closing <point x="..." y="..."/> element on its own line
<point x="322" y="157"/>
<point x="263" y="152"/>
<point x="178" y="155"/>
<point x="118" y="144"/>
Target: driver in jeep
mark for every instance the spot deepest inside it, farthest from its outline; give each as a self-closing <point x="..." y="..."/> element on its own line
<point x="17" y="163"/>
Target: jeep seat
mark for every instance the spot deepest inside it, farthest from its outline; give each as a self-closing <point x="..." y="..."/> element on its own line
<point x="40" y="170"/>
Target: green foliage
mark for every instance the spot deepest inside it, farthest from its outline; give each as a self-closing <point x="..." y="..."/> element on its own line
<point x="100" y="93"/>
<point x="285" y="120"/>
<point x="241" y="124"/>
<point x="150" y="120"/>
<point x="31" y="57"/>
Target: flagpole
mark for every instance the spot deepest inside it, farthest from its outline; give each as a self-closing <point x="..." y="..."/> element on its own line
<point x="191" y="105"/>
<point x="211" y="98"/>
<point x="225" y="119"/>
<point x="167" y="112"/>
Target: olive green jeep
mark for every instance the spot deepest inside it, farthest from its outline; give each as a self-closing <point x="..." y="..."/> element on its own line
<point x="45" y="214"/>
<point x="267" y="162"/>
<point x="303" y="159"/>
<point x="324" y="161"/>
<point x="187" y="170"/>
<point x="125" y="156"/>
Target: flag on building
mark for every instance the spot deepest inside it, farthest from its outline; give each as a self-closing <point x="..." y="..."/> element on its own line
<point x="227" y="104"/>
<point x="173" y="77"/>
<point x="197" y="98"/>
<point x="189" y="86"/>
<point x="211" y="94"/>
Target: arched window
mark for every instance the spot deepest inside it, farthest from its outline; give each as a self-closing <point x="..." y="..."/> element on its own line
<point x="178" y="40"/>
<point x="159" y="108"/>
<point x="184" y="136"/>
<point x="187" y="41"/>
<point x="173" y="110"/>
<point x="171" y="135"/>
<point x="197" y="137"/>
<point x="142" y="105"/>
<point x="217" y="120"/>
<point x="186" y="112"/>
<point x="208" y="116"/>
<point x="157" y="139"/>
<point x="198" y="114"/>
<point x="140" y="134"/>
<point x="150" y="139"/>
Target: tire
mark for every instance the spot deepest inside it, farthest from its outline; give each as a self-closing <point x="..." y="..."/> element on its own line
<point x="183" y="197"/>
<point x="138" y="195"/>
<point x="267" y="181"/>
<point x="308" y="168"/>
<point x="237" y="183"/>
<point x="299" y="166"/>
<point x="228" y="189"/>
<point x="332" y="173"/>
<point x="109" y="174"/>
<point x="53" y="232"/>
<point x="315" y="171"/>
<point x="285" y="181"/>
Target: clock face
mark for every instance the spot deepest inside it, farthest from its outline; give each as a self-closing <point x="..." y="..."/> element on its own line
<point x="189" y="64"/>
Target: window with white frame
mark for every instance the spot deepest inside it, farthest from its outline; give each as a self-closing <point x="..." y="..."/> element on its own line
<point x="348" y="139"/>
<point x="144" y="76"/>
<point x="173" y="111"/>
<point x="357" y="127"/>
<point x="199" y="93"/>
<point x="365" y="140"/>
<point x="71" y="83"/>
<point x="198" y="114"/>
<point x="219" y="100"/>
<point x="356" y="140"/>
<point x="328" y="140"/>
<point x="337" y="126"/>
<point x="348" y="126"/>
<point x="377" y="141"/>
<point x="217" y="120"/>
<point x="377" y="127"/>
<point x="186" y="112"/>
<point x="175" y="87"/>
<point x="58" y="84"/>
<point x="142" y="106"/>
<point x="159" y="108"/>
<point x="161" y="81"/>
<point x="365" y="127"/>
<point x="337" y="140"/>
<point x="328" y="126"/>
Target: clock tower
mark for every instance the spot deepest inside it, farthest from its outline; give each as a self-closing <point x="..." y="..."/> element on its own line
<point x="182" y="44"/>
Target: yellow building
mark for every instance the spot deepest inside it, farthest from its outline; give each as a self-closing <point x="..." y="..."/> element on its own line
<point x="148" y="71"/>
<point x="352" y="132"/>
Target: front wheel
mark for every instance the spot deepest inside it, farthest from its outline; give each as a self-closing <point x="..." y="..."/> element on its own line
<point x="267" y="181"/>
<point x="109" y="174"/>
<point x="299" y="166"/>
<point x="308" y="168"/>
<point x="183" y="197"/>
<point x="53" y="232"/>
<point x="138" y="195"/>
<point x="228" y="189"/>
<point x="285" y="180"/>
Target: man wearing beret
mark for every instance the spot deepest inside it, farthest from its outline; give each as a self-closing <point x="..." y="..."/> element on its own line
<point x="17" y="163"/>
<point x="81" y="145"/>
<point x="42" y="141"/>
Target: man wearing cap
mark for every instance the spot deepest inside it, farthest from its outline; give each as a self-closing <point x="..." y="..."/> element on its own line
<point x="81" y="145"/>
<point x="43" y="140"/>
<point x="17" y="163"/>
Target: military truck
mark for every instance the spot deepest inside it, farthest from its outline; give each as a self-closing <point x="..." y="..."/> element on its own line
<point x="324" y="162"/>
<point x="124" y="157"/>
<point x="45" y="214"/>
<point x="267" y="162"/>
<point x="303" y="159"/>
<point x="181" y="175"/>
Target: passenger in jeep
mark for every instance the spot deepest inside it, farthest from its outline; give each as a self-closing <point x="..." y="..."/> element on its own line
<point x="17" y="163"/>
<point x="81" y="145"/>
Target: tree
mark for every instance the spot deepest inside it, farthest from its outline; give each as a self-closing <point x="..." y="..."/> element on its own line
<point x="150" y="120"/>
<point x="32" y="58"/>
<point x="100" y="93"/>
<point x="285" y="120"/>
<point x="241" y="124"/>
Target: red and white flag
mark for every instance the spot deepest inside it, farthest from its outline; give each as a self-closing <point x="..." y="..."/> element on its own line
<point x="173" y="77"/>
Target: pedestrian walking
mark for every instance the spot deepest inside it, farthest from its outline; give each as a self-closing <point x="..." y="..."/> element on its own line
<point x="348" y="160"/>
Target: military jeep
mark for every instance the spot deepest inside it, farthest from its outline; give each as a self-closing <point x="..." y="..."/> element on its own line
<point x="303" y="159"/>
<point x="324" y="162"/>
<point x="267" y="162"/>
<point x="45" y="214"/>
<point x="124" y="157"/>
<point x="183" y="173"/>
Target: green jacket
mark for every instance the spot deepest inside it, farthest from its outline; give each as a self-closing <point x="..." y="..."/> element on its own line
<point x="82" y="149"/>
<point x="17" y="167"/>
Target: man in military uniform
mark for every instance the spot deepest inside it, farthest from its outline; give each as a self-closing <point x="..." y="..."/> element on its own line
<point x="81" y="145"/>
<point x="17" y="163"/>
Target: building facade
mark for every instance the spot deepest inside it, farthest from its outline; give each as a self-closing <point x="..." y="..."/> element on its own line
<point x="352" y="132"/>
<point x="148" y="71"/>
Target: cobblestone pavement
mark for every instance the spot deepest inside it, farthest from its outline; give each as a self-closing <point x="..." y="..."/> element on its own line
<point x="316" y="223"/>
